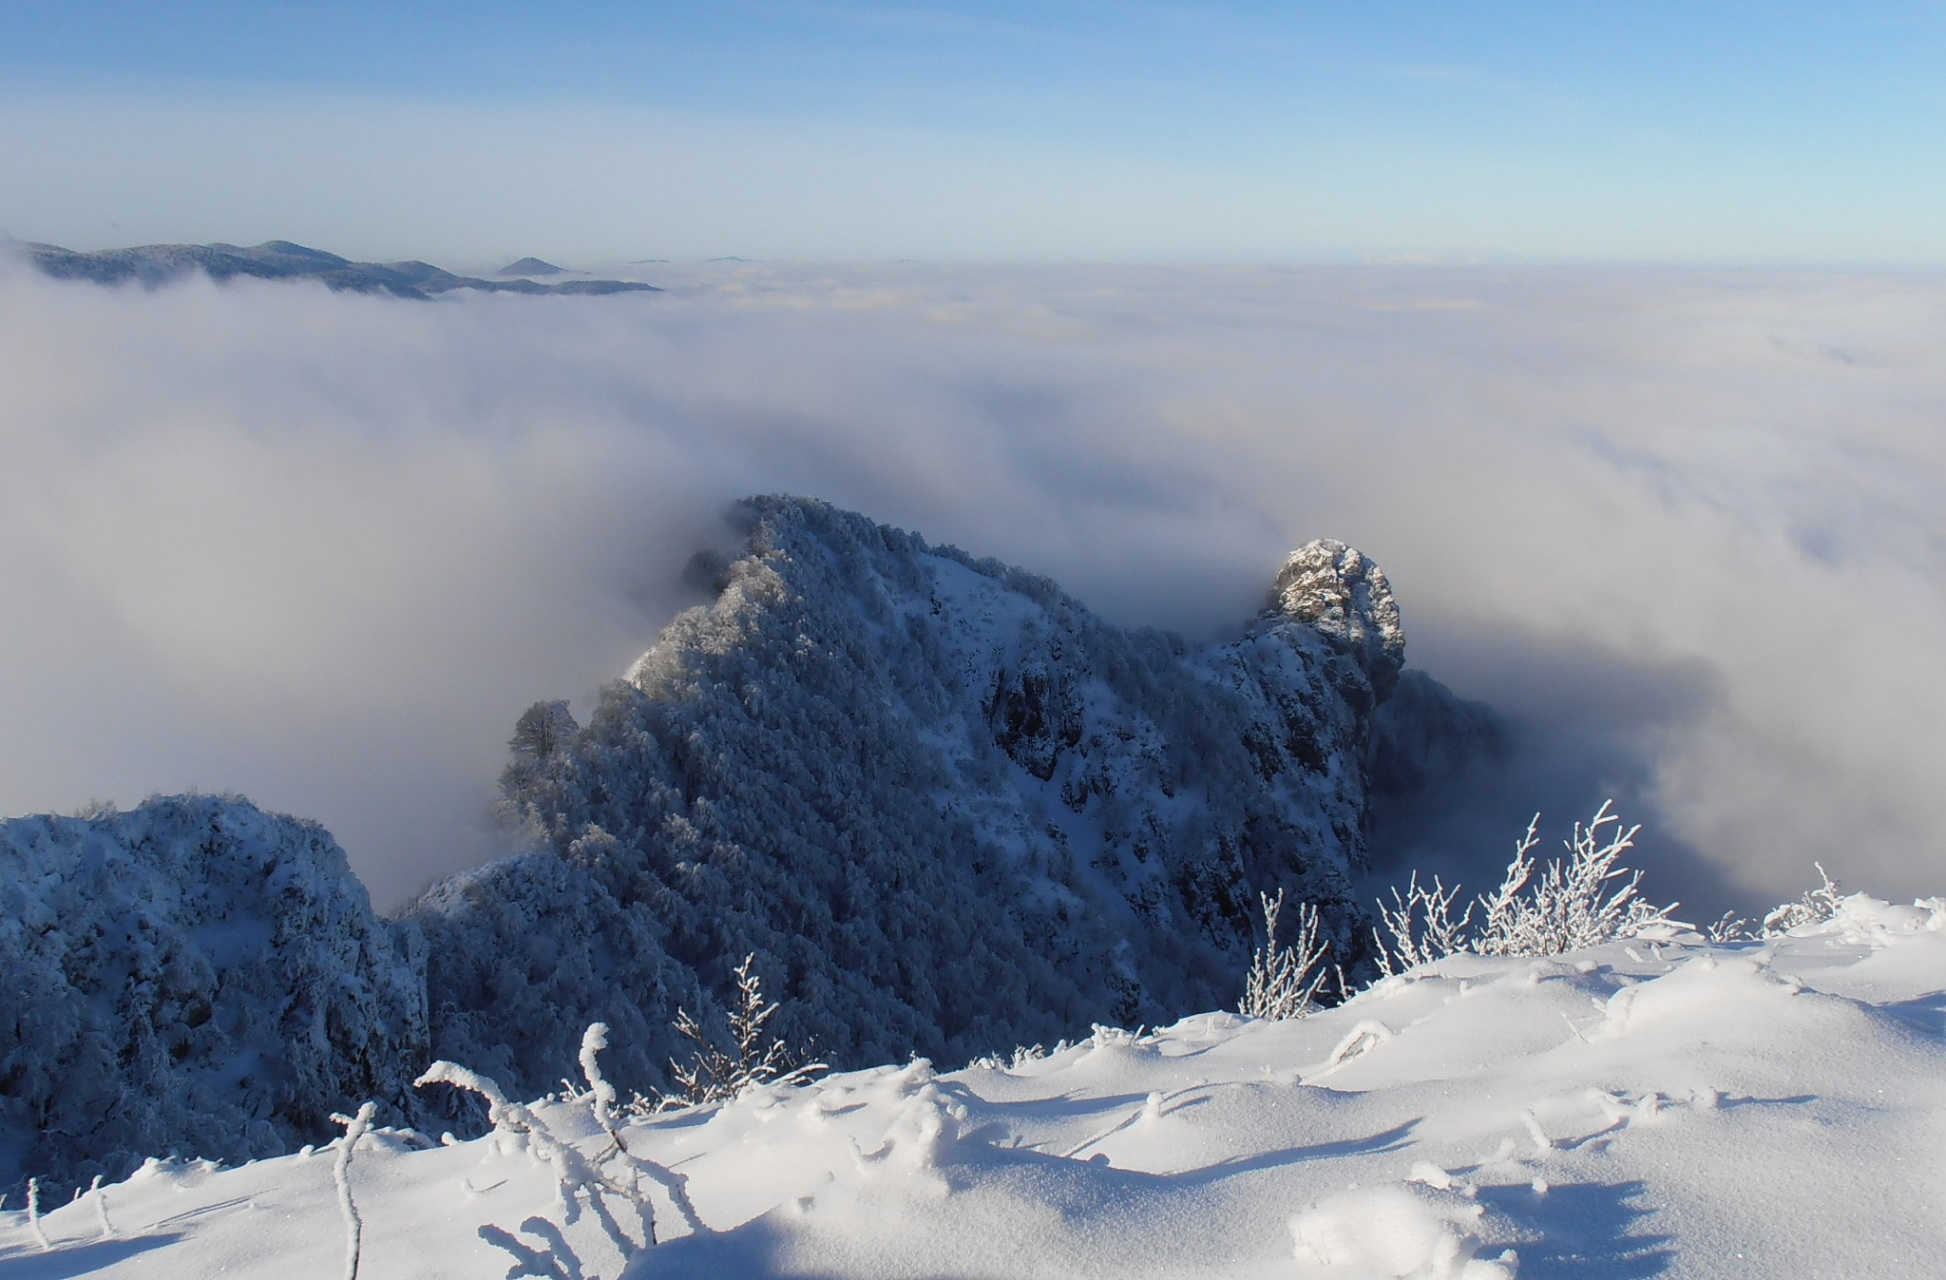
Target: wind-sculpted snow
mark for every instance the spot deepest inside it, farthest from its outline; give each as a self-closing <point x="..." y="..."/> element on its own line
<point x="946" y="806"/>
<point x="1663" y="1107"/>
<point x="193" y="975"/>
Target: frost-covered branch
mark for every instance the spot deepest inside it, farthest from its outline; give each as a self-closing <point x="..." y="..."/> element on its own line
<point x="1421" y="926"/>
<point x="355" y="1127"/>
<point x="713" y="1075"/>
<point x="602" y="1101"/>
<point x="1815" y="907"/>
<point x="101" y="1208"/>
<point x="1283" y="981"/>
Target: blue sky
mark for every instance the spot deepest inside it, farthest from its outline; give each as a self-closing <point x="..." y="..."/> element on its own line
<point x="1737" y="132"/>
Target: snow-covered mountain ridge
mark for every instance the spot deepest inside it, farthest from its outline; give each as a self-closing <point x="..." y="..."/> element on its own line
<point x="1664" y="1108"/>
<point x="948" y="809"/>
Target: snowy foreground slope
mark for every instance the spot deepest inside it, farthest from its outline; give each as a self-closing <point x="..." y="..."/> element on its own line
<point x="1661" y="1108"/>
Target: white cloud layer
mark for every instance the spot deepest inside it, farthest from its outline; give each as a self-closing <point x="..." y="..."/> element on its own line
<point x="1684" y="527"/>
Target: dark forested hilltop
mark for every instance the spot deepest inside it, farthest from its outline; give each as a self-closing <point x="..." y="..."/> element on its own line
<point x="156" y="264"/>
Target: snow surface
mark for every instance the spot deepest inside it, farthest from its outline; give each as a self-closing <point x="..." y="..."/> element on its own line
<point x="1657" y="1108"/>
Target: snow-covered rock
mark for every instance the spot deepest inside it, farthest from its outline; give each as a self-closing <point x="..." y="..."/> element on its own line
<point x="193" y="975"/>
<point x="948" y="808"/>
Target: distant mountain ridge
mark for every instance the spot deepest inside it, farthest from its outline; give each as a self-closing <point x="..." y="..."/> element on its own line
<point x="158" y="264"/>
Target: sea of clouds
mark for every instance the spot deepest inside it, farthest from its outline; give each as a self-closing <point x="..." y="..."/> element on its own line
<point x="1686" y="530"/>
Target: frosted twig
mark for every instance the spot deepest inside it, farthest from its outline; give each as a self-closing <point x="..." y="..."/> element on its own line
<point x="602" y="1093"/>
<point x="101" y="1208"/>
<point x="34" y="1212"/>
<point x="355" y="1127"/>
<point x="1283" y="981"/>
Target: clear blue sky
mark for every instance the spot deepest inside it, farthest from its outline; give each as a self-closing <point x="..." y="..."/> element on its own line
<point x="1700" y="131"/>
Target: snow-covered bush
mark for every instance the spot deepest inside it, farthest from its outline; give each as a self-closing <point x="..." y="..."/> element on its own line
<point x="1815" y="907"/>
<point x="1584" y="900"/>
<point x="1421" y="926"/>
<point x="1283" y="981"/>
<point x="1580" y="902"/>
<point x="714" y="1075"/>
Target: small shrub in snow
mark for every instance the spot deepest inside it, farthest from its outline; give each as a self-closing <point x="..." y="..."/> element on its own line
<point x="1421" y="926"/>
<point x="1283" y="981"/>
<point x="714" y="1075"/>
<point x="1572" y="905"/>
<point x="1584" y="900"/>
<point x="1729" y="927"/>
<point x="1816" y="907"/>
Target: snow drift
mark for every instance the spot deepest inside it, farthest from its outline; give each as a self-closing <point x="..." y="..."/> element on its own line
<point x="1661" y="1107"/>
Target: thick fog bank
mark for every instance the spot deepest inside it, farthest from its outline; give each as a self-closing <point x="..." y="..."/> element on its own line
<point x="1682" y="528"/>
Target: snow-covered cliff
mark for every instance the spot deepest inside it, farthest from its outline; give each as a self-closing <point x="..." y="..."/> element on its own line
<point x="949" y="808"/>
<point x="194" y="975"/>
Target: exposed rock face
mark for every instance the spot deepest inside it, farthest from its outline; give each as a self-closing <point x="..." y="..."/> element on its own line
<point x="1331" y="587"/>
<point x="194" y="975"/>
<point x="949" y="808"/>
